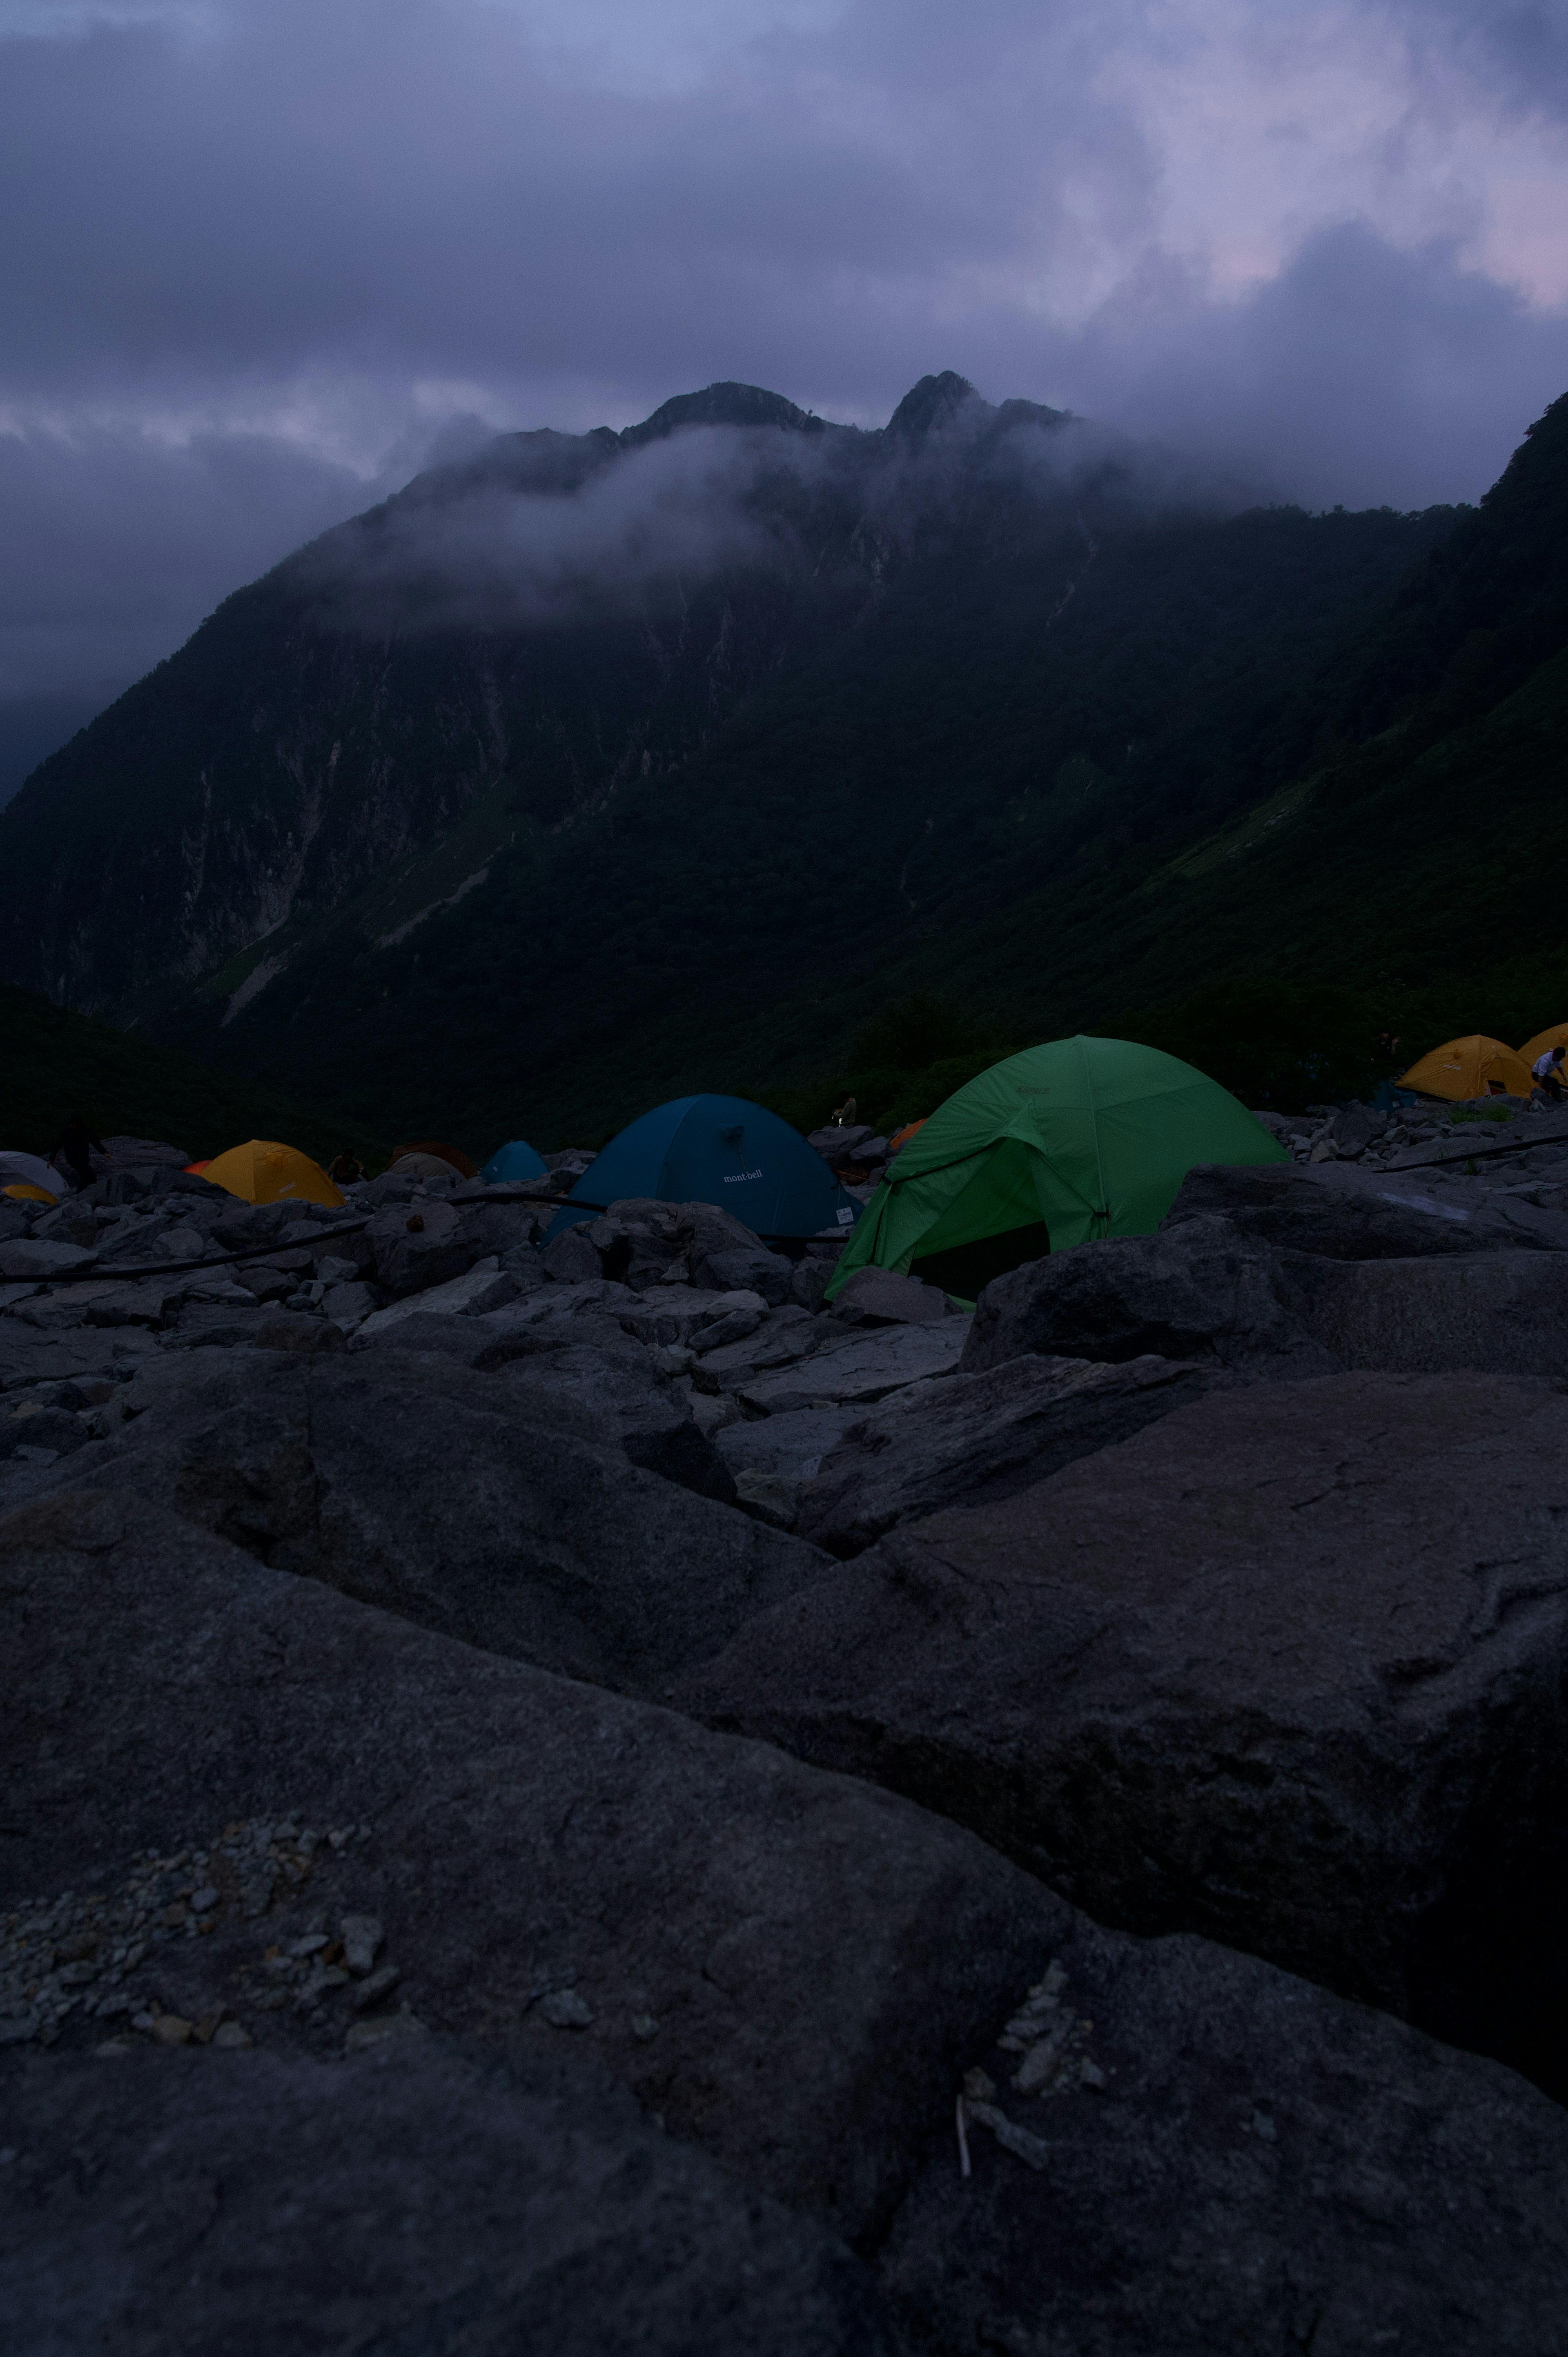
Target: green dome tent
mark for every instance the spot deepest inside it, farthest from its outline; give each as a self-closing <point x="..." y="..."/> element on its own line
<point x="1074" y="1140"/>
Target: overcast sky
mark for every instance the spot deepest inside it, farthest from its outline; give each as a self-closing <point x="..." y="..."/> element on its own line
<point x="262" y="257"/>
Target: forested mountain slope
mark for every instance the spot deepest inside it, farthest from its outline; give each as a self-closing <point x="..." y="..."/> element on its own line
<point x="607" y="766"/>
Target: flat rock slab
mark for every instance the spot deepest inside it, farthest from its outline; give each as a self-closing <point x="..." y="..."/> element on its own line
<point x="973" y="1439"/>
<point x="862" y="1371"/>
<point x="26" y="1256"/>
<point x="30" y="1356"/>
<point x="883" y="1297"/>
<point x="788" y="1968"/>
<point x="1256" y="2169"/>
<point x="794" y="1442"/>
<point x="1289" y="1667"/>
<point x="1358" y="1214"/>
<point x="482" y="1289"/>
<point x="187" y="2202"/>
<point x="462" y="1501"/>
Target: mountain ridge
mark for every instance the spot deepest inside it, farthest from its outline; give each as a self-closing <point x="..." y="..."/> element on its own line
<point x="974" y="708"/>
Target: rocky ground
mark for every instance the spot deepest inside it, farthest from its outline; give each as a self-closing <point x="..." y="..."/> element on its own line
<point x="572" y="1798"/>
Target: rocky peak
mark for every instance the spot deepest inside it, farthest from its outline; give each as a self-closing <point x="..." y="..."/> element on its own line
<point x="723" y="404"/>
<point x="935" y="403"/>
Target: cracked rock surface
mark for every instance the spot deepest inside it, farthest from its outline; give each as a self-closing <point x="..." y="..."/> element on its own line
<point x="1289" y="1667"/>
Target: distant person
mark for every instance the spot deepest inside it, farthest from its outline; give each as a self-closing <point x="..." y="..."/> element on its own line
<point x="345" y="1171"/>
<point x="77" y="1145"/>
<point x="843" y="1115"/>
<point x="1547" y="1071"/>
<point x="1389" y="1047"/>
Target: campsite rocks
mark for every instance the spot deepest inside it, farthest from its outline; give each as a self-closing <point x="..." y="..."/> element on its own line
<point x="809" y="1281"/>
<point x="349" y="1304"/>
<point x="793" y="1444"/>
<point x="613" y="1404"/>
<point x="416" y="1250"/>
<point x="265" y="1281"/>
<point x="819" y="1960"/>
<point x="1355" y="1126"/>
<point x="973" y="1439"/>
<point x="877" y="1296"/>
<point x="1197" y="1291"/>
<point x="838" y="1146"/>
<point x="28" y="1357"/>
<point x="1355" y="1216"/>
<point x="29" y="1258"/>
<point x="500" y="1229"/>
<point x="517" y="2203"/>
<point x="282" y="1332"/>
<point x="1215" y="2161"/>
<point x="34" y="1430"/>
<point x="751" y="1268"/>
<point x="483" y="1287"/>
<point x="570" y="1258"/>
<point x="859" y="1371"/>
<point x="645" y="1242"/>
<point x="461" y="1502"/>
<point x="1288" y="1667"/>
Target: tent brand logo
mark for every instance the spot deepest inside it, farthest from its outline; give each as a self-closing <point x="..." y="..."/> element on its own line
<point x="737" y="1177"/>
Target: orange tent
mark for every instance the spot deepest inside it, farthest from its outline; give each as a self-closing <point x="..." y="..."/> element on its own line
<point x="262" y="1172"/>
<point x="902" y="1136"/>
<point x="1473" y="1067"/>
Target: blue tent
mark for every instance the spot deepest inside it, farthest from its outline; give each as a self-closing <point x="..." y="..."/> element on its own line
<point x="509" y="1166"/>
<point x="717" y="1150"/>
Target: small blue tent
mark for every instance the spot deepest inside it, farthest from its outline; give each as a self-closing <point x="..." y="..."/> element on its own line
<point x="511" y="1165"/>
<point x="717" y="1150"/>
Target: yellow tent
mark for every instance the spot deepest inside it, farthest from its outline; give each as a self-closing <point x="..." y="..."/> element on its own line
<point x="1556" y="1038"/>
<point x="26" y="1194"/>
<point x="262" y="1172"/>
<point x="1469" y="1068"/>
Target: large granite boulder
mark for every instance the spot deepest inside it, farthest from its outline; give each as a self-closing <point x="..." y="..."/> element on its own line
<point x="1204" y="1289"/>
<point x="478" y="1506"/>
<point x="1498" y="1312"/>
<point x="409" y="2198"/>
<point x="334" y="1834"/>
<point x="971" y="1439"/>
<point x="1289" y="1668"/>
<point x="1211" y="2158"/>
<point x="787" y="1968"/>
<point x="1199" y="1290"/>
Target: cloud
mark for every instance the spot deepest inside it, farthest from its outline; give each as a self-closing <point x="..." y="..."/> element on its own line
<point x="118" y="544"/>
<point x="259" y="252"/>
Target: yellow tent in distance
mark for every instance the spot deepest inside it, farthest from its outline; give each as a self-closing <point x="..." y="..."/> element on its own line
<point x="260" y="1171"/>
<point x="1469" y="1068"/>
<point x="1556" y="1038"/>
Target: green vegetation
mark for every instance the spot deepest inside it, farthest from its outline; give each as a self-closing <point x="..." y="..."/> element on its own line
<point x="1277" y="1046"/>
<point x="900" y="1066"/>
<point x="56" y="1064"/>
